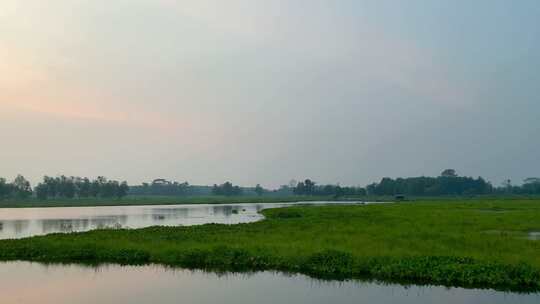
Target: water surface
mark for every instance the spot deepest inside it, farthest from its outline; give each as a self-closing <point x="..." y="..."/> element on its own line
<point x="25" y="222"/>
<point x="31" y="283"/>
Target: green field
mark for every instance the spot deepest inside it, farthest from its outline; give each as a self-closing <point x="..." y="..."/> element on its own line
<point x="453" y="243"/>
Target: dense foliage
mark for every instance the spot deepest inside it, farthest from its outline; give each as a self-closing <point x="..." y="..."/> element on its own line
<point x="449" y="183"/>
<point x="164" y="187"/>
<point x="18" y="189"/>
<point x="77" y="187"/>
<point x="308" y="187"/>
<point x="467" y="243"/>
<point x="431" y="186"/>
<point x="226" y="189"/>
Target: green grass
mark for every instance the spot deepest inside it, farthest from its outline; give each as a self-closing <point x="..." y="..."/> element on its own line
<point x="136" y="200"/>
<point x="155" y="200"/>
<point x="452" y="243"/>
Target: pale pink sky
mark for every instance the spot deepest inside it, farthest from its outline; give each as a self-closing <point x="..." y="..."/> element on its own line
<point x="266" y="91"/>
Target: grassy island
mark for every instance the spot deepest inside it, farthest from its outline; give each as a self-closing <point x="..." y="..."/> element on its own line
<point x="484" y="244"/>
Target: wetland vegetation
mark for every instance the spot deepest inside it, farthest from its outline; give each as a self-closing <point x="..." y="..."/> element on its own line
<point x="481" y="243"/>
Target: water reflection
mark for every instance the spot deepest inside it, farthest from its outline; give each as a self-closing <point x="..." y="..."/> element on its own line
<point x="25" y="222"/>
<point x="34" y="283"/>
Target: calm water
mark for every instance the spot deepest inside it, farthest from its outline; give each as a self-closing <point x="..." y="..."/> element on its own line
<point x="25" y="222"/>
<point x="29" y="283"/>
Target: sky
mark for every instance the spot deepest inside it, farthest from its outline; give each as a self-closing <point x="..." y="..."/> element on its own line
<point x="265" y="91"/>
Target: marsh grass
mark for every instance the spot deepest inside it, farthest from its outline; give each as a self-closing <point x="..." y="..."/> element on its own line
<point x="441" y="243"/>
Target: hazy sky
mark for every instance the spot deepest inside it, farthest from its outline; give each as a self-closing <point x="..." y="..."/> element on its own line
<point x="263" y="91"/>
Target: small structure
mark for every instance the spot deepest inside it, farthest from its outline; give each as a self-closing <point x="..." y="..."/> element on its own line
<point x="161" y="182"/>
<point x="400" y="197"/>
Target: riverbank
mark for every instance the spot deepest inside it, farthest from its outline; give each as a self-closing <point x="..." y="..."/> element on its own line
<point x="159" y="200"/>
<point x="451" y="243"/>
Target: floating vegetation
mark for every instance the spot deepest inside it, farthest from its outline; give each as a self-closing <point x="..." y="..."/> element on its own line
<point x="436" y="243"/>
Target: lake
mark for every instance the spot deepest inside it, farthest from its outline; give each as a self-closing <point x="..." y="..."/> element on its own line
<point x="25" y="222"/>
<point x="24" y="282"/>
<point x="32" y="283"/>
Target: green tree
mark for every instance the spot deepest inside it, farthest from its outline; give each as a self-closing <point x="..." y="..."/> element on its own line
<point x="259" y="190"/>
<point x="227" y="189"/>
<point x="122" y="190"/>
<point x="5" y="189"/>
<point x="42" y="191"/>
<point x="22" y="187"/>
<point x="449" y="173"/>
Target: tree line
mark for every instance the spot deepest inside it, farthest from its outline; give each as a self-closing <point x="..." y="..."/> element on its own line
<point x="19" y="188"/>
<point x="63" y="187"/>
<point x="308" y="187"/>
<point x="448" y="183"/>
<point x="226" y="189"/>
<point x="164" y="187"/>
<point x="530" y="185"/>
<point x="431" y="186"/>
<point x="80" y="187"/>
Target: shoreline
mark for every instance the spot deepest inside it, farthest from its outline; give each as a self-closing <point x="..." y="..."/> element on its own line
<point x="333" y="242"/>
<point x="159" y="200"/>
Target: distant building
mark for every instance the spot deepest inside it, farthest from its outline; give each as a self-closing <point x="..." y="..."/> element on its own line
<point x="399" y="197"/>
<point x="161" y="182"/>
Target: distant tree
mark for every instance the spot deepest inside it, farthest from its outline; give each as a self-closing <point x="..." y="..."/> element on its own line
<point x="122" y="190"/>
<point x="259" y="190"/>
<point x="434" y="186"/>
<point x="95" y="188"/>
<point x="292" y="183"/>
<point x="449" y="173"/>
<point x="300" y="189"/>
<point x="5" y="189"/>
<point x="371" y="189"/>
<point x="216" y="190"/>
<point x="162" y="186"/>
<point x="84" y="187"/>
<point x="531" y="185"/>
<point x="108" y="189"/>
<point x="77" y="187"/>
<point x="22" y="187"/>
<point x="310" y="186"/>
<point x="42" y="191"/>
<point x="51" y="184"/>
<point x="507" y="185"/>
<point x="306" y="187"/>
<point x="284" y="190"/>
<point x="227" y="189"/>
<point x="67" y="187"/>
